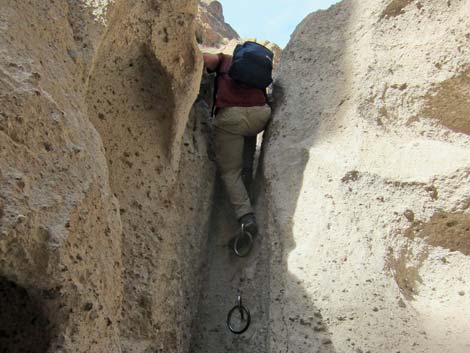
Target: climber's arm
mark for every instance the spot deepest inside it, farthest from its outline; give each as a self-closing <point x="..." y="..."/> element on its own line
<point x="211" y="61"/>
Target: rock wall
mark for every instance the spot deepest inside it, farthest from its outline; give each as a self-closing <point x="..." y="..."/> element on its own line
<point x="105" y="186"/>
<point x="366" y="181"/>
<point x="60" y="230"/>
<point x="212" y="30"/>
<point x="106" y="190"/>
<point x="144" y="81"/>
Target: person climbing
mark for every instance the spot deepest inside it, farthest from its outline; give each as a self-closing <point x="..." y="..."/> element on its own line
<point x="240" y="112"/>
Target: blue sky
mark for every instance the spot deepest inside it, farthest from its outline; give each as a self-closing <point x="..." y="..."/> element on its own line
<point x="274" y="20"/>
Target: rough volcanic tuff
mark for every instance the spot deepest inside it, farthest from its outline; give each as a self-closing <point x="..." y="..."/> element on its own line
<point x="60" y="230"/>
<point x="105" y="189"/>
<point x="367" y="181"/>
<point x="91" y="138"/>
<point x="212" y="30"/>
<point x="144" y="81"/>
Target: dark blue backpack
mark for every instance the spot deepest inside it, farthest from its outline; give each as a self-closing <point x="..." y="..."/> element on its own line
<point x="252" y="65"/>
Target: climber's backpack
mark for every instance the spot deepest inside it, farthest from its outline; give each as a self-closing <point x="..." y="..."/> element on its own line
<point x="252" y="65"/>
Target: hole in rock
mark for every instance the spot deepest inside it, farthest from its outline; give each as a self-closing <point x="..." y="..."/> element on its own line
<point x="23" y="326"/>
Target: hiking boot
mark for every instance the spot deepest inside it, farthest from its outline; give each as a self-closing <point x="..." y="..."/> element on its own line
<point x="248" y="223"/>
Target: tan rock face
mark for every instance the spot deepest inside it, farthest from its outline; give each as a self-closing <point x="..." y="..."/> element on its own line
<point x="60" y="231"/>
<point x="106" y="190"/>
<point x="92" y="139"/>
<point x="144" y="81"/>
<point x="212" y="30"/>
<point x="367" y="169"/>
<point x="449" y="102"/>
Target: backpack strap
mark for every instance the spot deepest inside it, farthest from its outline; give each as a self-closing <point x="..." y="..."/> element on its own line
<point x="216" y="83"/>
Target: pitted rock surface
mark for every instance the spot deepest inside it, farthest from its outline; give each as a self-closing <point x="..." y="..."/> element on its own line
<point x="105" y="186"/>
<point x="212" y="30"/>
<point x="366" y="172"/>
<point x="60" y="230"/>
<point x="111" y="239"/>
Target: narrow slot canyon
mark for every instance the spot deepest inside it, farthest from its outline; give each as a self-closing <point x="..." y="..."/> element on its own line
<point x="226" y="275"/>
<point x="115" y="223"/>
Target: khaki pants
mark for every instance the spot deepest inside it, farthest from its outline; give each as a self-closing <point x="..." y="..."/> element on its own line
<point x="230" y="127"/>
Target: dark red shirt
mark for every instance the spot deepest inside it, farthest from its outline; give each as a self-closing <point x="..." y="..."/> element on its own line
<point x="233" y="94"/>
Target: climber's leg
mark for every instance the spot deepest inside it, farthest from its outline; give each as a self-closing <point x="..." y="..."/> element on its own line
<point x="255" y="120"/>
<point x="245" y="121"/>
<point x="230" y="127"/>
<point x="249" y="149"/>
<point x="228" y="154"/>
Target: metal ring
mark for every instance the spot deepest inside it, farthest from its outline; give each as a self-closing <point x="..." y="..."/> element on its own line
<point x="237" y="240"/>
<point x="242" y="311"/>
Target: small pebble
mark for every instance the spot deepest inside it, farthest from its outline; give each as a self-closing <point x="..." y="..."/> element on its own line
<point x="401" y="303"/>
<point x="410" y="216"/>
<point x="20" y="219"/>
